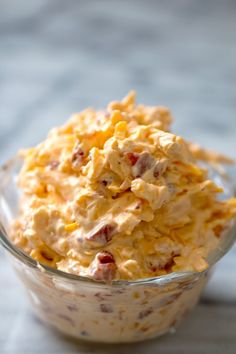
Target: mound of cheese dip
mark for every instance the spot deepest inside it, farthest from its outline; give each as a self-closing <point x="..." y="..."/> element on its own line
<point x="114" y="195"/>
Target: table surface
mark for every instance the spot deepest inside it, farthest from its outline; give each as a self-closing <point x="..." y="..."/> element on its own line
<point x="57" y="57"/>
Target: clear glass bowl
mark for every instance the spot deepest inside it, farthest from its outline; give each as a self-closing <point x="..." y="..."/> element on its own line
<point x="125" y="311"/>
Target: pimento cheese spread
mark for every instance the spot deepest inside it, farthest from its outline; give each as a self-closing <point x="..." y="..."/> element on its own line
<point x="114" y="194"/>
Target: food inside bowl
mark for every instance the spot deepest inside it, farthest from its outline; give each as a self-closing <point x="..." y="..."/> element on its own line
<point x="114" y="195"/>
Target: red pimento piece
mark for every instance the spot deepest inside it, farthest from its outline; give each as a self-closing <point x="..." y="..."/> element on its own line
<point x="101" y="235"/>
<point x="133" y="158"/>
<point x="106" y="308"/>
<point x="145" y="313"/>
<point x="103" y="267"/>
<point x="156" y="172"/>
<point x="143" y="164"/>
<point x="140" y="162"/>
<point x="159" y="168"/>
<point x="105" y="257"/>
<point x="77" y="156"/>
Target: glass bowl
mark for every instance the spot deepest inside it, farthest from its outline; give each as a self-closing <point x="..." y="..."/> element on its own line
<point x="124" y="311"/>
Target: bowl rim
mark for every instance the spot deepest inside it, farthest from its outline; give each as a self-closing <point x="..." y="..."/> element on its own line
<point x="227" y="241"/>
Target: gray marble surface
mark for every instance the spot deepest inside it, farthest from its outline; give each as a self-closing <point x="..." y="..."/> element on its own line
<point x="57" y="57"/>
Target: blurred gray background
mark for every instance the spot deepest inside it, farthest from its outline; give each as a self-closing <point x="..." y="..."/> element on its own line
<point x="57" y="57"/>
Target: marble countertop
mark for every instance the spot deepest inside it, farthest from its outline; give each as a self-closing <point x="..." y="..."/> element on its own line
<point x="57" y="57"/>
